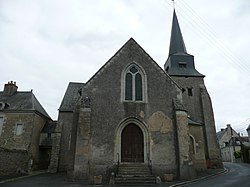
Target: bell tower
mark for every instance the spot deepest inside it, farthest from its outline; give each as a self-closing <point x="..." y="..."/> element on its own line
<point x="181" y="67"/>
<point x="179" y="62"/>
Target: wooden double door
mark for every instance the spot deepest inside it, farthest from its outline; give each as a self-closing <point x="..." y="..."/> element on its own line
<point x="132" y="144"/>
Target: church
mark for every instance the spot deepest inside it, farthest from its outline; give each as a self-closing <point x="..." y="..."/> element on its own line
<point x="134" y="119"/>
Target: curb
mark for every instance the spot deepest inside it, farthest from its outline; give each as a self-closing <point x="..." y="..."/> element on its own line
<point x="201" y="178"/>
<point x="22" y="177"/>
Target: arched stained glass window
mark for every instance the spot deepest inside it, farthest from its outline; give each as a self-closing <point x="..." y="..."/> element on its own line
<point x="138" y="87"/>
<point x="128" y="87"/>
<point x="134" y="84"/>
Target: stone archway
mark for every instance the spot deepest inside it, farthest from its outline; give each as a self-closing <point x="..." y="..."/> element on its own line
<point x="142" y="143"/>
<point x="132" y="144"/>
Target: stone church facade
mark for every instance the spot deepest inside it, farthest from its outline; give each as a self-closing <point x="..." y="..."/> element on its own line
<point x="133" y="111"/>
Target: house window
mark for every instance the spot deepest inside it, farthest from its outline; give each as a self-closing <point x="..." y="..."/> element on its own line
<point x="190" y="91"/>
<point x="134" y="84"/>
<point x="49" y="135"/>
<point x="1" y="125"/>
<point x="19" y="129"/>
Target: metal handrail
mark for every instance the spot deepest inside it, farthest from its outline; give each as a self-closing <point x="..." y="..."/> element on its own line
<point x="150" y="167"/>
<point x="149" y="163"/>
<point x="118" y="160"/>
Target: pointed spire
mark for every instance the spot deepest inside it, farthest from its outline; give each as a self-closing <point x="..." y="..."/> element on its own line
<point x="177" y="44"/>
<point x="179" y="62"/>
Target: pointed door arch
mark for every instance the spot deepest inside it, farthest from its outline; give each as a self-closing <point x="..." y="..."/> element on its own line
<point x="132" y="144"/>
<point x="122" y="135"/>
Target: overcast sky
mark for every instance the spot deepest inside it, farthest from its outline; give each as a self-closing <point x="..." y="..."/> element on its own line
<point x="45" y="44"/>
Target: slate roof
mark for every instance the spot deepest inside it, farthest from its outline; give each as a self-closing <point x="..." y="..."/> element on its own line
<point x="192" y="122"/>
<point x="178" y="55"/>
<point x="71" y="95"/>
<point x="248" y="128"/>
<point x="177" y="44"/>
<point x="23" y="101"/>
<point x="49" y="127"/>
<point x="242" y="139"/>
<point x="221" y="133"/>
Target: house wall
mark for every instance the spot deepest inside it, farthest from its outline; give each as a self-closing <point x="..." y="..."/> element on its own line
<point x="248" y="132"/>
<point x="9" y="139"/>
<point x="64" y="125"/>
<point x="12" y="161"/>
<point x="228" y="134"/>
<point x="28" y="140"/>
<point x="227" y="153"/>
<point x="39" y="123"/>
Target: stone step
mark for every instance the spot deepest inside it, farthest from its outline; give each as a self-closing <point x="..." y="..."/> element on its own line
<point x="136" y="176"/>
<point x="138" y="173"/>
<point x="134" y="173"/>
<point x="134" y="182"/>
<point x="135" y="179"/>
<point x="132" y="164"/>
<point x="145" y="170"/>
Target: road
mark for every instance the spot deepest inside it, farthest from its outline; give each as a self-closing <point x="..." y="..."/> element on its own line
<point x="238" y="175"/>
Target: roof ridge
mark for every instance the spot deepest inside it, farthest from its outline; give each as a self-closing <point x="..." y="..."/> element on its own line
<point x="36" y="106"/>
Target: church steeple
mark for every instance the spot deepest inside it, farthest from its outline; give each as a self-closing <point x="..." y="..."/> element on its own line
<point x="179" y="62"/>
<point x="177" y="44"/>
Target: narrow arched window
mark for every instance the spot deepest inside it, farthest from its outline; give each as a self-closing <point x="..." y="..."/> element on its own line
<point x="192" y="145"/>
<point x="134" y="85"/>
<point x="129" y="87"/>
<point x="138" y="87"/>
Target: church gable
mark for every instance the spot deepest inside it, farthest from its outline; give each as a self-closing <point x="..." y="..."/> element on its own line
<point x="130" y="53"/>
<point x="129" y="84"/>
<point x="130" y="87"/>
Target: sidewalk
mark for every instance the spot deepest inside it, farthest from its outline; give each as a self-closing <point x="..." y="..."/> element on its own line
<point x="13" y="177"/>
<point x="61" y="181"/>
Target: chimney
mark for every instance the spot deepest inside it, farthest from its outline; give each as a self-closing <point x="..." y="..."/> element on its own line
<point x="10" y="88"/>
<point x="229" y="129"/>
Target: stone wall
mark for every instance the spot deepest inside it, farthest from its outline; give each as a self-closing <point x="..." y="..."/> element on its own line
<point x="13" y="160"/>
<point x="35" y="152"/>
<point x="212" y="149"/>
<point x="197" y="155"/>
<point x="28" y="139"/>
<point x="9" y="139"/>
<point x="155" y="114"/>
<point x="64" y="125"/>
<point x="199" y="107"/>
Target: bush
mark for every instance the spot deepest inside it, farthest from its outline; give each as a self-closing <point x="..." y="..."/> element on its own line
<point x="237" y="154"/>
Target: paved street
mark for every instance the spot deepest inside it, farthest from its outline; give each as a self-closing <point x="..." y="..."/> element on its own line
<point x="237" y="175"/>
